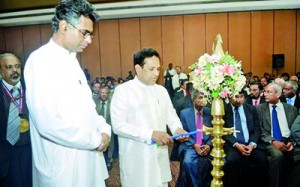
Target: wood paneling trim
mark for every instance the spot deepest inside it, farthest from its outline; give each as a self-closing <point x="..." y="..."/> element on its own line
<point x="2" y="38"/>
<point x="262" y="42"/>
<point x="14" y="42"/>
<point x="31" y="39"/>
<point x="110" y="48"/>
<point x="239" y="37"/>
<point x="285" y="38"/>
<point x="298" y="43"/>
<point x="130" y="42"/>
<point x="194" y="39"/>
<point x="178" y="39"/>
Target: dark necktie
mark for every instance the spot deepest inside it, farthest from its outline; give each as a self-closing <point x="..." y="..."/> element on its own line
<point x="199" y="135"/>
<point x="238" y="126"/>
<point x="102" y="109"/>
<point x="13" y="122"/>
<point x="276" y="129"/>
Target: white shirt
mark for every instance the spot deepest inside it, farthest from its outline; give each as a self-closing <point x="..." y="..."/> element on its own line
<point x="171" y="71"/>
<point x="283" y="124"/>
<point x="136" y="111"/>
<point x="176" y="78"/>
<point x="292" y="102"/>
<point x="65" y="127"/>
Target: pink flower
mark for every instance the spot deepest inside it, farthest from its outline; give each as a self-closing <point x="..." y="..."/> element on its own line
<point x="220" y="70"/>
<point x="229" y="70"/>
<point x="225" y="94"/>
<point x="198" y="70"/>
<point x="213" y="58"/>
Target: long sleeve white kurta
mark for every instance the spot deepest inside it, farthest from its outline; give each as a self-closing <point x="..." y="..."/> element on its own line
<point x="65" y="127"/>
<point x="137" y="110"/>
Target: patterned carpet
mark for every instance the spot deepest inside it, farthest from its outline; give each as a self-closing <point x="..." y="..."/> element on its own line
<point x="114" y="174"/>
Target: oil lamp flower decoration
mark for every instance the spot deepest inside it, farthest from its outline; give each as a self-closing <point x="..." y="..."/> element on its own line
<point x="218" y="75"/>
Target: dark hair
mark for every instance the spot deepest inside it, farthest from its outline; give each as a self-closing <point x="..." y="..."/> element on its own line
<point x="182" y="81"/>
<point x="260" y="86"/>
<point x="285" y="74"/>
<point x="140" y="56"/>
<point x="71" y="10"/>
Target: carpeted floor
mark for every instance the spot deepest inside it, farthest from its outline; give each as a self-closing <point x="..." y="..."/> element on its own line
<point x="114" y="174"/>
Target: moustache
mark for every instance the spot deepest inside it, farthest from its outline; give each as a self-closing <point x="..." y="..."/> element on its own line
<point x="15" y="75"/>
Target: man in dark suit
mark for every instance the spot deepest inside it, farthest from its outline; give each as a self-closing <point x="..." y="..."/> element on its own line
<point x="276" y="119"/>
<point x="196" y="151"/>
<point x="186" y="101"/>
<point x="294" y="179"/>
<point x="15" y="148"/>
<point x="290" y="94"/>
<point x="256" y="96"/>
<point x="181" y="92"/>
<point x="245" y="155"/>
<point x="103" y="109"/>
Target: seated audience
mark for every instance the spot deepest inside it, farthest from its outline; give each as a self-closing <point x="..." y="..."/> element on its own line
<point x="185" y="101"/>
<point x="290" y="94"/>
<point x="196" y="152"/>
<point x="256" y="96"/>
<point x="245" y="155"/>
<point x="276" y="119"/>
<point x="180" y="93"/>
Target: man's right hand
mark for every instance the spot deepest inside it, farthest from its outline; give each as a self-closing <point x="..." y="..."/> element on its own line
<point x="105" y="142"/>
<point x="161" y="138"/>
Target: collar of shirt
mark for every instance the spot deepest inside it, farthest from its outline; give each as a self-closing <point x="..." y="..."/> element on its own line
<point x="196" y="111"/>
<point x="256" y="100"/>
<point x="141" y="84"/>
<point x="60" y="50"/>
<point x="292" y="99"/>
<point x="9" y="87"/>
<point x="279" y="105"/>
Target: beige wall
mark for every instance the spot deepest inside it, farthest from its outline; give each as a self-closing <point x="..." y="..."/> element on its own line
<point x="251" y="37"/>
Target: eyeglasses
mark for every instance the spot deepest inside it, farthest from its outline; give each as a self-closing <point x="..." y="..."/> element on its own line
<point x="85" y="33"/>
<point x="269" y="92"/>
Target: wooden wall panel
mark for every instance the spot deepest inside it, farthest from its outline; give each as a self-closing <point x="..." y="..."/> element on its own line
<point x="239" y="38"/>
<point x="172" y="41"/>
<point x="46" y="33"/>
<point x="216" y="24"/>
<point x="130" y="42"/>
<point x="14" y="42"/>
<point x="298" y="42"/>
<point x="151" y="36"/>
<point x="90" y="57"/>
<point x="261" y="42"/>
<point x="285" y="38"/>
<point x="31" y="39"/>
<point x="178" y="39"/>
<point x="194" y="39"/>
<point x="151" y="33"/>
<point x="2" y="38"/>
<point x="110" y="48"/>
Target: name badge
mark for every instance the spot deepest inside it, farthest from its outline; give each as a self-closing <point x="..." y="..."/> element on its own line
<point x="24" y="125"/>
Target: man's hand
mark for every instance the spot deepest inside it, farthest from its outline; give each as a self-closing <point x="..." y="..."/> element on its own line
<point x="202" y="150"/>
<point x="281" y="146"/>
<point x="105" y="142"/>
<point x="183" y="138"/>
<point x="243" y="149"/>
<point x="290" y="146"/>
<point x="161" y="138"/>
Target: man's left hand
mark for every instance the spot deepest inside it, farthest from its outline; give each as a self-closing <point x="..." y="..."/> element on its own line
<point x="183" y="138"/>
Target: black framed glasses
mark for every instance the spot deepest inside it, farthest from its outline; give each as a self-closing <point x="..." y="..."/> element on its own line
<point x="85" y="33"/>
